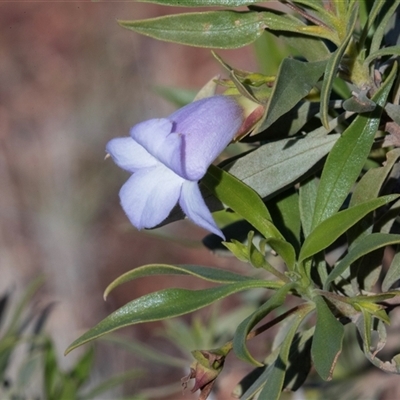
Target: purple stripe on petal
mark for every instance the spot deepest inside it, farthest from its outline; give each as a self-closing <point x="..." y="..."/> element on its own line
<point x="129" y="155"/>
<point x="208" y="126"/>
<point x="195" y="208"/>
<point x="149" y="196"/>
<point x="156" y="137"/>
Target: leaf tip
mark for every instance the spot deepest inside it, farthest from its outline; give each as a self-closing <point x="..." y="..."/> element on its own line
<point x="69" y="349"/>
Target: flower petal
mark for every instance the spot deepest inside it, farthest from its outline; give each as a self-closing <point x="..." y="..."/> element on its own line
<point x="156" y="137"/>
<point x="195" y="208"/>
<point x="207" y="126"/>
<point x="149" y="196"/>
<point x="129" y="155"/>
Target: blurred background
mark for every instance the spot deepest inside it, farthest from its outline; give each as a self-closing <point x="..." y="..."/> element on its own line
<point x="70" y="80"/>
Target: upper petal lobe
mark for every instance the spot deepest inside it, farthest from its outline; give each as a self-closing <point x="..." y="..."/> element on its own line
<point x="156" y="136"/>
<point x="207" y="126"/>
<point x="129" y="155"/>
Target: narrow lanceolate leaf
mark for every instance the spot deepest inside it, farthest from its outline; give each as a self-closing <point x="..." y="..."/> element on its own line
<point x="223" y="29"/>
<point x="240" y="338"/>
<point x="348" y="157"/>
<point x="248" y="204"/>
<point x="294" y="81"/>
<point x="367" y="245"/>
<point x="275" y="165"/>
<point x="311" y="48"/>
<point x="327" y="341"/>
<point x="368" y="188"/>
<point x="318" y="7"/>
<point x="387" y="51"/>
<point x="393" y="273"/>
<point x="307" y="195"/>
<point x="373" y="14"/>
<point x="164" y="304"/>
<point x="367" y="317"/>
<point x="332" y="67"/>
<point x="211" y="29"/>
<point x="286" y="216"/>
<point x="272" y="390"/>
<point x="198" y="271"/>
<point x="380" y="30"/>
<point x="299" y="360"/>
<point x="242" y="199"/>
<point x="330" y="229"/>
<point x="370" y="184"/>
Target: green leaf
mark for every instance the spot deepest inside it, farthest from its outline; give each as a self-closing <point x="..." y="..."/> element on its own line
<point x="332" y="67"/>
<point x="285" y="250"/>
<point x="330" y="229"/>
<point x="164" y="304"/>
<point x="238" y="249"/>
<point x="371" y="16"/>
<point x="327" y="342"/>
<point x="370" y="184"/>
<point x="294" y="81"/>
<point x="200" y="3"/>
<point x="290" y="23"/>
<point x="367" y="245"/>
<point x="367" y="317"/>
<point x="393" y="273"/>
<point x="211" y="29"/>
<point x="286" y="216"/>
<point x="198" y="271"/>
<point x="307" y="195"/>
<point x="319" y="9"/>
<point x="251" y="385"/>
<point x="348" y="156"/>
<point x="219" y="29"/>
<point x="311" y="48"/>
<point x="299" y="360"/>
<point x="242" y="199"/>
<point x="368" y="188"/>
<point x="387" y="51"/>
<point x="299" y="363"/>
<point x="272" y="389"/>
<point x="386" y="222"/>
<point x="270" y="51"/>
<point x="391" y="366"/>
<point x="341" y="88"/>
<point x="240" y="338"/>
<point x="290" y="123"/>
<point x="248" y="204"/>
<point x="276" y="165"/>
<point x="380" y="30"/>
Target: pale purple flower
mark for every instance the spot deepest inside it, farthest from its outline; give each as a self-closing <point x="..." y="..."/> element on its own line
<point x="168" y="156"/>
